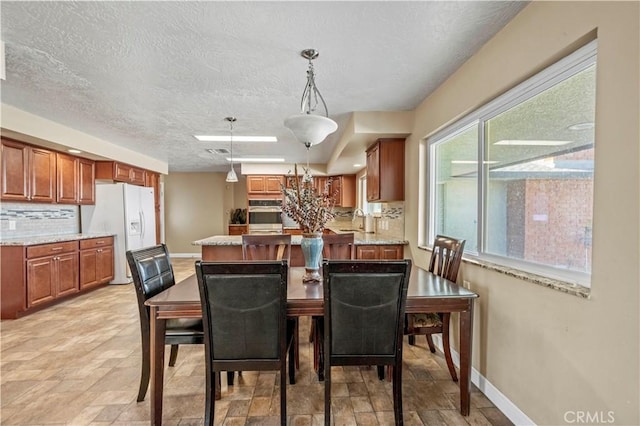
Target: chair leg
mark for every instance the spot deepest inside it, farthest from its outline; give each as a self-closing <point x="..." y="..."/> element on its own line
<point x="412" y="339"/>
<point x="397" y="393"/>
<point x="380" y="372"/>
<point x="432" y="347"/>
<point x="209" y="402"/>
<point x="173" y="356"/>
<point x="296" y="349"/>
<point x="230" y="377"/>
<point x="447" y="346"/>
<point x="292" y="366"/>
<point x="283" y="391"/>
<point x="145" y="372"/>
<point x="327" y="395"/>
<point x="311" y="329"/>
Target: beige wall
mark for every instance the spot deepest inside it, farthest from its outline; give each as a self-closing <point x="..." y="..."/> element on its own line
<point x="196" y="207"/>
<point x="546" y="351"/>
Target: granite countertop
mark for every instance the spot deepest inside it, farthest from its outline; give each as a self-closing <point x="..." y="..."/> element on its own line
<point x="45" y="239"/>
<point x="360" y="238"/>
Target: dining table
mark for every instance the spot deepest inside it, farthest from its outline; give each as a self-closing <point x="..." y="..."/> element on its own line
<point x="427" y="293"/>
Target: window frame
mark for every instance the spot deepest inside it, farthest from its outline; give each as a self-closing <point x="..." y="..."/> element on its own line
<point x="565" y="68"/>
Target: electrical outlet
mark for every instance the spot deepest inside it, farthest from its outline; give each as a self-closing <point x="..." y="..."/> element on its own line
<point x="12" y="225"/>
<point x="466" y="284"/>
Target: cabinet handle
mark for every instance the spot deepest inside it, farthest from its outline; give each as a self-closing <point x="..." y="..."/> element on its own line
<point x="56" y="249"/>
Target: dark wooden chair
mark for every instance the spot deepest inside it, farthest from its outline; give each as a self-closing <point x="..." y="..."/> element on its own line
<point x="364" y="309"/>
<point x="271" y="247"/>
<point x="336" y="247"/>
<point x="152" y="273"/>
<point x="445" y="261"/>
<point x="244" y="310"/>
<point x="266" y="247"/>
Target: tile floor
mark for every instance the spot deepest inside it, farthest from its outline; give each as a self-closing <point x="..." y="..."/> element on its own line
<point x="77" y="363"/>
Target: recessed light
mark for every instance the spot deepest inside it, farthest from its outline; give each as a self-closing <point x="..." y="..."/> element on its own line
<point x="357" y="165"/>
<point x="74" y="151"/>
<point x="587" y="125"/>
<point x="206" y="138"/>
<point x="256" y="159"/>
<point x="517" y="142"/>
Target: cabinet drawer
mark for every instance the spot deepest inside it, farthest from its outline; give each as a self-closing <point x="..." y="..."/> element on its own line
<point x="51" y="249"/>
<point x="96" y="242"/>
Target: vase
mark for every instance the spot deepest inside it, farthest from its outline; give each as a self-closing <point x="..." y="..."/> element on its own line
<point x="312" y="251"/>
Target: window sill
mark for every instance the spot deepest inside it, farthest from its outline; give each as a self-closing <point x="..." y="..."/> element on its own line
<point x="552" y="283"/>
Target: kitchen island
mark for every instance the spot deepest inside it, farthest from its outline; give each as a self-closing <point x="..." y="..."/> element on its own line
<point x="368" y="246"/>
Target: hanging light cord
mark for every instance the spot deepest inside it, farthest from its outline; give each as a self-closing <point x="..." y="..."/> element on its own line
<point x="231" y="140"/>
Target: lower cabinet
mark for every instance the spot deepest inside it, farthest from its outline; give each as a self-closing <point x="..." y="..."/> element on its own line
<point x="33" y="277"/>
<point x="52" y="272"/>
<point x="96" y="262"/>
<point x="379" y="252"/>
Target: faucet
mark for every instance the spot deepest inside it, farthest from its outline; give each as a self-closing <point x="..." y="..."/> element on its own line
<point x="355" y="214"/>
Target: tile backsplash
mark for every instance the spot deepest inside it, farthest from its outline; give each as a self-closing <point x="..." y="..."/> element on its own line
<point x="30" y="219"/>
<point x="389" y="222"/>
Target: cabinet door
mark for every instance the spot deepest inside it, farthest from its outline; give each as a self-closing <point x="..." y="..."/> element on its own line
<point x="367" y="252"/>
<point x="42" y="172"/>
<point x="121" y="172"/>
<point x="137" y="176"/>
<point x="391" y="252"/>
<point x="88" y="268"/>
<point x="256" y="184"/>
<point x="40" y="280"/>
<point x="67" y="179"/>
<point x="87" y="181"/>
<point x="67" y="274"/>
<point x="15" y="171"/>
<point x="373" y="173"/>
<point x="273" y="184"/>
<point x="104" y="264"/>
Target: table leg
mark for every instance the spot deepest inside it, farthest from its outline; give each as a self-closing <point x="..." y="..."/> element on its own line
<point x="317" y="324"/>
<point x="158" y="328"/>
<point x="466" y="341"/>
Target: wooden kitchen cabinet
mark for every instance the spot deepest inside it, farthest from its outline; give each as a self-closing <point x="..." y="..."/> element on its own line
<point x="52" y="272"/>
<point x="75" y="180"/>
<point x="238" y="229"/>
<point x="379" y="252"/>
<point x="96" y="261"/>
<point x="385" y="170"/>
<point x="120" y="172"/>
<point x="344" y="190"/>
<point x="264" y="184"/>
<point x="28" y="173"/>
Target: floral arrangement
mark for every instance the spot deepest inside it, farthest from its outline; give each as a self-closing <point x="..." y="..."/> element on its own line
<point x="308" y="206"/>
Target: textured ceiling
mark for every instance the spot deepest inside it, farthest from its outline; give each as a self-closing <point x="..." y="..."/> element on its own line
<point x="150" y="75"/>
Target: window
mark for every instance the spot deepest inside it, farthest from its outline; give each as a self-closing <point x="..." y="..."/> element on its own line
<point x="363" y="204"/>
<point x="528" y="203"/>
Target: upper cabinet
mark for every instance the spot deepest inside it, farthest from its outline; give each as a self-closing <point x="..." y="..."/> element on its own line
<point x="75" y="180"/>
<point x="264" y="184"/>
<point x="385" y="170"/>
<point x="28" y="173"/>
<point x="120" y="172"/>
<point x="342" y="188"/>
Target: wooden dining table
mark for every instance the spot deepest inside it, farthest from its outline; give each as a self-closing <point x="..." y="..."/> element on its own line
<point x="427" y="293"/>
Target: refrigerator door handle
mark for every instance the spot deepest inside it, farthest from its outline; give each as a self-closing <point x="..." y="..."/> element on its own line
<point x="143" y="225"/>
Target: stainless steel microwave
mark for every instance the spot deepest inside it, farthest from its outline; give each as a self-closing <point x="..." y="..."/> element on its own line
<point x="264" y="215"/>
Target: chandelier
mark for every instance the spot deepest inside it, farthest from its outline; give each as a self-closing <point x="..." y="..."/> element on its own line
<point x="231" y="176"/>
<point x="309" y="128"/>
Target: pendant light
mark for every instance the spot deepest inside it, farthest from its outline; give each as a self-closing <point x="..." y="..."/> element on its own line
<point x="231" y="176"/>
<point x="309" y="128"/>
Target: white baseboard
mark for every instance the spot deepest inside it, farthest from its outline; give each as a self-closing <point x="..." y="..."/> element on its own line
<point x="187" y="255"/>
<point x="504" y="404"/>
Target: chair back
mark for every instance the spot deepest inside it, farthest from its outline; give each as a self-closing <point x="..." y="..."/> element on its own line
<point x="338" y="246"/>
<point x="446" y="257"/>
<point x="364" y="306"/>
<point x="152" y="273"/>
<point x="244" y="310"/>
<point x="266" y="247"/>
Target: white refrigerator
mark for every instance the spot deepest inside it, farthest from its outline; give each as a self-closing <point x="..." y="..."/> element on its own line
<point x="127" y="211"/>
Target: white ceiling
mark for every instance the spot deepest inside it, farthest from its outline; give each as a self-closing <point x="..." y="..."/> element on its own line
<point x="150" y="75"/>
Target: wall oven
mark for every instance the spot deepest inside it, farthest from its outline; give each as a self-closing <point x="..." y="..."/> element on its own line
<point x="264" y="216"/>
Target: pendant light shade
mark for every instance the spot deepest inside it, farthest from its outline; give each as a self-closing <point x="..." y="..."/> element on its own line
<point x="231" y="176"/>
<point x="307" y="127"/>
